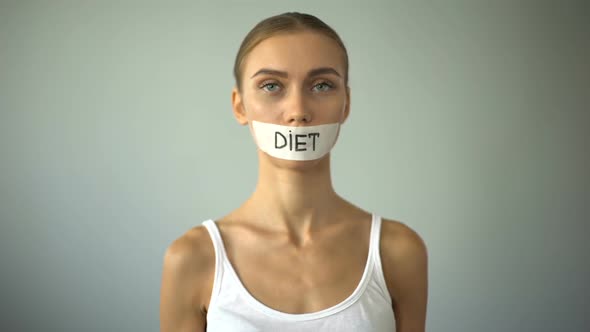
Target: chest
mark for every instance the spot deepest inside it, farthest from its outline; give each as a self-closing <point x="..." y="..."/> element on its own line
<point x="295" y="280"/>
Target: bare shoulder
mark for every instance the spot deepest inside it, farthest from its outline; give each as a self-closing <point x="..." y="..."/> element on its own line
<point x="404" y="255"/>
<point x="194" y="246"/>
<point x="192" y="256"/>
<point x="400" y="241"/>
<point x="404" y="258"/>
<point x="187" y="276"/>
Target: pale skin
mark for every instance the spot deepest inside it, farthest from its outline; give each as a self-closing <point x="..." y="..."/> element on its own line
<point x="282" y="240"/>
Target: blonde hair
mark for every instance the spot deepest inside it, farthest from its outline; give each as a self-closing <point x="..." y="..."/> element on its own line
<point x="284" y="23"/>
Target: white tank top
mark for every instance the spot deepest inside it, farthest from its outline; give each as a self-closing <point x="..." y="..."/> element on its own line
<point x="233" y="308"/>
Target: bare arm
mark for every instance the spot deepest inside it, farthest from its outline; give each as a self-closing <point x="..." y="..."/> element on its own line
<point x="406" y="265"/>
<point x="180" y="299"/>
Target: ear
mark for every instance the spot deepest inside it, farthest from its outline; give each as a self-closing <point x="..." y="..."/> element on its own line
<point x="347" y="108"/>
<point x="238" y="107"/>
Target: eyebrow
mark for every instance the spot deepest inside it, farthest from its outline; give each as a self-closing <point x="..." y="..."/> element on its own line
<point x="313" y="72"/>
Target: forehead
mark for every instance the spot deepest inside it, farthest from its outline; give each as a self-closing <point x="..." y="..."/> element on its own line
<point x="295" y="53"/>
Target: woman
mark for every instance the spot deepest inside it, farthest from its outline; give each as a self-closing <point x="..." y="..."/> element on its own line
<point x="295" y="256"/>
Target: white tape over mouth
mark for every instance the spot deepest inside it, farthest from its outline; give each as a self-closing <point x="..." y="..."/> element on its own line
<point x="295" y="143"/>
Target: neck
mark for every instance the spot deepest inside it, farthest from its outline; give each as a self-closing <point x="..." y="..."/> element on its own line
<point x="293" y="196"/>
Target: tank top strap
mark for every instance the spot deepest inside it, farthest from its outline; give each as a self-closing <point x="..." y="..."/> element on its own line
<point x="374" y="248"/>
<point x="220" y="257"/>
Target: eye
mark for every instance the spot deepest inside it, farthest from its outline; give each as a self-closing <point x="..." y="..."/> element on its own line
<point x="270" y="86"/>
<point x="323" y="86"/>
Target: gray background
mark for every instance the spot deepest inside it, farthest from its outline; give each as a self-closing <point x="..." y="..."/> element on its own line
<point x="470" y="123"/>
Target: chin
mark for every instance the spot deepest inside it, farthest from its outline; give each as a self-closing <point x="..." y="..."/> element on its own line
<point x="300" y="165"/>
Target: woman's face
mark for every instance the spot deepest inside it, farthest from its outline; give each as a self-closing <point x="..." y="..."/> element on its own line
<point x="294" y="79"/>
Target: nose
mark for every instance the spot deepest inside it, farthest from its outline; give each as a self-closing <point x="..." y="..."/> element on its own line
<point x="297" y="110"/>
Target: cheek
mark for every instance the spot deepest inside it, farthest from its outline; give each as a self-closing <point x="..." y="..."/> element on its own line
<point x="262" y="110"/>
<point x="331" y="110"/>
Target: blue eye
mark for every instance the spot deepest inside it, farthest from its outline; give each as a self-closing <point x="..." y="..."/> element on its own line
<point x="275" y="85"/>
<point x="327" y="86"/>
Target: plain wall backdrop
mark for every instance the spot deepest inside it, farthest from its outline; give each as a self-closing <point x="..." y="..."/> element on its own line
<point x="469" y="122"/>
